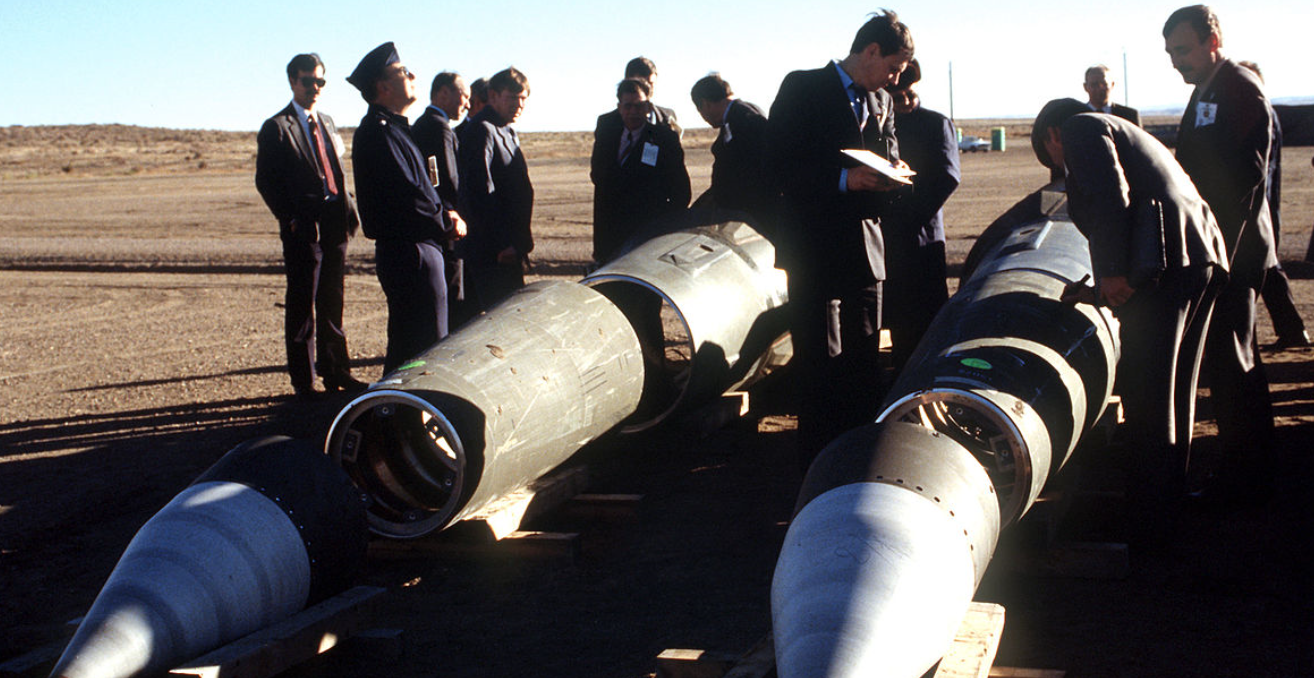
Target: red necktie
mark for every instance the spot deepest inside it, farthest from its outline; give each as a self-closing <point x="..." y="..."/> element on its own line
<point x="322" y="154"/>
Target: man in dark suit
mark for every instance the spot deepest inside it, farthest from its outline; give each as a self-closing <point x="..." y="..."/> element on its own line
<point x="916" y="270"/>
<point x="1224" y="143"/>
<point x="1099" y="89"/>
<point x="826" y="225"/>
<point x="399" y="208"/>
<point x="638" y="176"/>
<point x="1122" y="184"/>
<point x="433" y="134"/>
<point x="609" y="123"/>
<point x="497" y="197"/>
<point x="299" y="175"/>
<point x="737" y="172"/>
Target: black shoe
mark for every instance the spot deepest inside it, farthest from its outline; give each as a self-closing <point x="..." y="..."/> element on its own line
<point x="1283" y="343"/>
<point x="307" y="394"/>
<point x="345" y="383"/>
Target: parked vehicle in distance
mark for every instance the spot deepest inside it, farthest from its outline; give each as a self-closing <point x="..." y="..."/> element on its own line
<point x="972" y="144"/>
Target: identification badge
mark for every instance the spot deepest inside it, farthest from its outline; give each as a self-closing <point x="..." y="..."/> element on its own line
<point x="650" y="154"/>
<point x="1205" y="114"/>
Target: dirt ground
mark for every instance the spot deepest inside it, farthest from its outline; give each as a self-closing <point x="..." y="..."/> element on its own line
<point x="140" y="339"/>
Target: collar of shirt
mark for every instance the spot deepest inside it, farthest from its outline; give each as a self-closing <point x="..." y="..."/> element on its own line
<point x="725" y="117"/>
<point x="441" y="113"/>
<point x="844" y="78"/>
<point x="303" y="117"/>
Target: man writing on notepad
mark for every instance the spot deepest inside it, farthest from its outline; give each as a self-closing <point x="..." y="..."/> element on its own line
<point x="827" y="229"/>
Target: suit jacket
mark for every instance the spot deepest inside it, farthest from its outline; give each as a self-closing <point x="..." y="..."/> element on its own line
<point x="610" y="121"/>
<point x="397" y="200"/>
<point x="289" y="179"/>
<point x="496" y="195"/>
<point x="928" y="143"/>
<point x="1125" y="112"/>
<point x="818" y="229"/>
<point x="649" y="185"/>
<point x="435" y="138"/>
<point x="1115" y="171"/>
<point x="737" y="171"/>
<point x="1224" y="143"/>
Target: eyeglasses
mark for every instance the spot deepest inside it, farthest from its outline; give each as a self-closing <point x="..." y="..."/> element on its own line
<point x="308" y="82"/>
<point x="405" y="72"/>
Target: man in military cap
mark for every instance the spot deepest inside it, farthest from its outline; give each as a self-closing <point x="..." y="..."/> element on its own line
<point x="399" y="208"/>
<point x="299" y="175"/>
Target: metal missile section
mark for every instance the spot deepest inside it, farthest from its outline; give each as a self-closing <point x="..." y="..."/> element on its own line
<point x="897" y="521"/>
<point x="707" y="304"/>
<point x="1007" y="369"/>
<point x="272" y="528"/>
<point x="489" y="409"/>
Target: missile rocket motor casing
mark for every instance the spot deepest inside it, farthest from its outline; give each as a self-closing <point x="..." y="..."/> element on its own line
<point x="898" y="520"/>
<point x="272" y="528"/>
<point x="489" y="409"/>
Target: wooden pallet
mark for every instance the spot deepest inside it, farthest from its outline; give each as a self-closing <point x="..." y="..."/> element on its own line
<point x="971" y="655"/>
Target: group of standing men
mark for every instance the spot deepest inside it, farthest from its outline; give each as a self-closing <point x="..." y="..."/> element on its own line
<point x="841" y="228"/>
<point x="1180" y="247"/>
<point x="449" y="208"/>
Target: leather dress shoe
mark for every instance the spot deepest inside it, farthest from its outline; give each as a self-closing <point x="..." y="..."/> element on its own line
<point x="307" y="394"/>
<point x="1283" y="343"/>
<point x="345" y="383"/>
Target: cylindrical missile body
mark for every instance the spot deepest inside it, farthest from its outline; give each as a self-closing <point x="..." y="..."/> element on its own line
<point x="491" y="408"/>
<point x="724" y="297"/>
<point x="272" y="527"/>
<point x="895" y="526"/>
<point x="1010" y="371"/>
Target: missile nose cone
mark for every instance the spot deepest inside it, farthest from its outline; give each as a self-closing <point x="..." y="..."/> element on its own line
<point x="222" y="559"/>
<point x="880" y="562"/>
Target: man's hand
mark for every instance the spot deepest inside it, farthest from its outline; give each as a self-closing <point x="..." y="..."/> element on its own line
<point x="863" y="178"/>
<point x="509" y="257"/>
<point x="1115" y="291"/>
<point x="459" y="229"/>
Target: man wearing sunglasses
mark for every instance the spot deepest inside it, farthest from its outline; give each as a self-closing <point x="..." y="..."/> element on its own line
<point x="299" y="175"/>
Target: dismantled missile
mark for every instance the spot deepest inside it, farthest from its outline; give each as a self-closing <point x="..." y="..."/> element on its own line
<point x="270" y="529"/>
<point x="898" y="520"/>
<point x="518" y="390"/>
<point x="708" y="306"/>
<point x="489" y="409"/>
<point x="894" y="528"/>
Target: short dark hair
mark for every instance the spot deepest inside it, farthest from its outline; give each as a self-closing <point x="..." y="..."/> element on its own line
<point x="303" y="62"/>
<point x="444" y="79"/>
<point x="633" y="86"/>
<point x="711" y="88"/>
<point x="479" y="89"/>
<point x="1200" y="18"/>
<point x="909" y="77"/>
<point x="885" y="30"/>
<point x="1053" y="114"/>
<point x="640" y="67"/>
<point x="509" y="80"/>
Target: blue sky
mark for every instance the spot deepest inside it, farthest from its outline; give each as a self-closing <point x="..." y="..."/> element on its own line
<point x="219" y="65"/>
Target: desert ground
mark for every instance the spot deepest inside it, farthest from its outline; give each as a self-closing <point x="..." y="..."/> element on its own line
<point x="141" y="338"/>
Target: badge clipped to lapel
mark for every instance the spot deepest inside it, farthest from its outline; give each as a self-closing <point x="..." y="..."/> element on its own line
<point x="649" y="154"/>
<point x="1205" y="114"/>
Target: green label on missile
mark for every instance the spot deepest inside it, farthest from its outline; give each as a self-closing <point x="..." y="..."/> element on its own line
<point x="412" y="364"/>
<point x="976" y="363"/>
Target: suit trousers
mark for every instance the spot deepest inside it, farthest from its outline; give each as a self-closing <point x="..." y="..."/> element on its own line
<point x="1163" y="334"/>
<point x="836" y="363"/>
<point x="1276" y="292"/>
<point x="414" y="282"/>
<point x="312" y="319"/>
<point x="1238" y="386"/>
